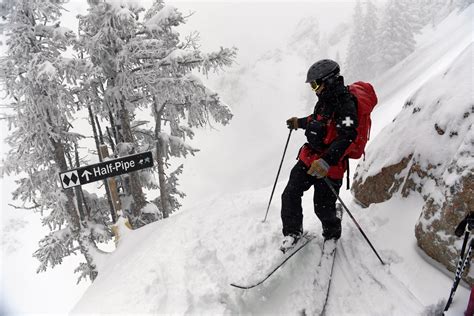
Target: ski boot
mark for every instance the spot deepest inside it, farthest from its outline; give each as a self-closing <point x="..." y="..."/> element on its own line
<point x="289" y="242"/>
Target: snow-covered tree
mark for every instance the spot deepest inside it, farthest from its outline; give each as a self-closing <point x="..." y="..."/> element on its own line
<point x="36" y="79"/>
<point x="462" y="4"/>
<point x="362" y="49"/>
<point x="306" y="39"/>
<point x="181" y="101"/>
<point x="396" y="34"/>
<point x="356" y="53"/>
<point x="434" y="11"/>
<point x="369" y="28"/>
<point x="141" y="63"/>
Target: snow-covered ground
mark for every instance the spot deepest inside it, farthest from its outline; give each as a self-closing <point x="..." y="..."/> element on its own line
<point x="184" y="264"/>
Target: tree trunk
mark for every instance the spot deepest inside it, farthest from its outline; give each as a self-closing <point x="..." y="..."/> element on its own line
<point x="139" y="200"/>
<point x="164" y="198"/>
<point x="86" y="246"/>
<point x="113" y="213"/>
<point x="112" y="184"/>
<point x="114" y="128"/>
<point x="111" y="140"/>
<point x="78" y="190"/>
<point x="162" y="179"/>
<point x="101" y="136"/>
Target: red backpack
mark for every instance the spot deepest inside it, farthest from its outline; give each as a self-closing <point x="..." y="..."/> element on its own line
<point x="366" y="101"/>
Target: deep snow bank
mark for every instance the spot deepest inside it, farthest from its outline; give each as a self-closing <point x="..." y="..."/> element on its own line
<point x="185" y="264"/>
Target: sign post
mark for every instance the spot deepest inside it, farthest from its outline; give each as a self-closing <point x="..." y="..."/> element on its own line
<point x="105" y="169"/>
<point x="112" y="184"/>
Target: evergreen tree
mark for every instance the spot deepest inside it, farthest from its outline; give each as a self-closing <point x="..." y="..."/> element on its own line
<point x="361" y="55"/>
<point x="396" y="35"/>
<point x="354" y="65"/>
<point x="434" y="11"/>
<point x="181" y="102"/>
<point x="35" y="76"/>
<point x="369" y="45"/>
<point x="412" y="16"/>
<point x="306" y="40"/>
<point x="141" y="63"/>
<point x="462" y="4"/>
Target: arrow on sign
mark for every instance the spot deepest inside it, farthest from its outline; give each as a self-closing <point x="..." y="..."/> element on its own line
<point x="86" y="174"/>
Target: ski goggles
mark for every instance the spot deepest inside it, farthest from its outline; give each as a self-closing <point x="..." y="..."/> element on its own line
<point x="315" y="84"/>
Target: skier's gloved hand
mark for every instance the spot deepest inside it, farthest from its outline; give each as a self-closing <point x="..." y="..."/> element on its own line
<point x="319" y="168"/>
<point x="292" y="123"/>
<point x="467" y="221"/>
<point x="460" y="228"/>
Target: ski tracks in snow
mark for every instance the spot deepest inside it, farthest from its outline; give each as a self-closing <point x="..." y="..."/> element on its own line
<point x="289" y="289"/>
<point x="211" y="265"/>
<point x="360" y="278"/>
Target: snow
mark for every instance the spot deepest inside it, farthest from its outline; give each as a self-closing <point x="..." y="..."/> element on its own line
<point x="119" y="5"/>
<point x="162" y="18"/>
<point x="184" y="264"/>
<point x="434" y="126"/>
<point x="222" y="240"/>
<point x="47" y="69"/>
<point x="436" y="49"/>
<point x="187" y="262"/>
<point x="21" y="290"/>
<point x="150" y="208"/>
<point x="445" y="95"/>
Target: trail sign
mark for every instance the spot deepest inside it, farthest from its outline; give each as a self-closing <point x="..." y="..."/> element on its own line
<point x="105" y="169"/>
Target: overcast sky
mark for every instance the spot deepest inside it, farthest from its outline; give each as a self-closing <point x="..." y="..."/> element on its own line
<point x="252" y="26"/>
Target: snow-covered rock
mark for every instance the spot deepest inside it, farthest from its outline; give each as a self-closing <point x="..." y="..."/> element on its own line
<point x="429" y="148"/>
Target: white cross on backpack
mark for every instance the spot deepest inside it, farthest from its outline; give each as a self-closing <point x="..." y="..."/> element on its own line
<point x="348" y="122"/>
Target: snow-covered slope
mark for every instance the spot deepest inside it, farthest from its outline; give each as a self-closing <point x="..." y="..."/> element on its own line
<point x="437" y="48"/>
<point x="442" y="105"/>
<point x="429" y="148"/>
<point x="185" y="264"/>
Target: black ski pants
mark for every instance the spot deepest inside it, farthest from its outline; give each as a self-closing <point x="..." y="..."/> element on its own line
<point x="324" y="202"/>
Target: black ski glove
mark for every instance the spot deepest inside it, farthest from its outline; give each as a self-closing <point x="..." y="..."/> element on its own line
<point x="292" y="123"/>
<point x="467" y="221"/>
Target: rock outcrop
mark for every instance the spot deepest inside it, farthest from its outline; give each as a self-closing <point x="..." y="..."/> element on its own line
<point x="428" y="148"/>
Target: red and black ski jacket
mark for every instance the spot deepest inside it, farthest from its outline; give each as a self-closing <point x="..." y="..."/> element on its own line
<point x="335" y="113"/>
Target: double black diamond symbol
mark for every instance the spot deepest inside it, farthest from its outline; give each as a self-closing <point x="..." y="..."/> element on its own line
<point x="70" y="179"/>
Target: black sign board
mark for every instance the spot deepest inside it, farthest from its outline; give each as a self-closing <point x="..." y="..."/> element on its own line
<point x="106" y="169"/>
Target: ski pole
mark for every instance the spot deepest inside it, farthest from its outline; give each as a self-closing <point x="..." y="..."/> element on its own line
<point x="462" y="263"/>
<point x="278" y="174"/>
<point x="352" y="217"/>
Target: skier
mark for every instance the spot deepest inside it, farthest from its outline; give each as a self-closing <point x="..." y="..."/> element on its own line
<point x="329" y="132"/>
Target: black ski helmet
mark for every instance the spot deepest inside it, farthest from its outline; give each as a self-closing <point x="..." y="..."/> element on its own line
<point x="322" y="70"/>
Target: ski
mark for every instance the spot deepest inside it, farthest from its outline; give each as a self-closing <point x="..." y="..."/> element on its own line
<point x="323" y="277"/>
<point x="329" y="257"/>
<point x="305" y="239"/>
<point x="322" y="281"/>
